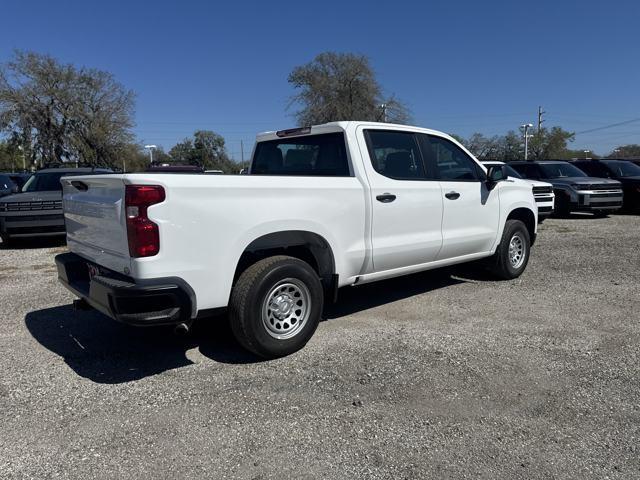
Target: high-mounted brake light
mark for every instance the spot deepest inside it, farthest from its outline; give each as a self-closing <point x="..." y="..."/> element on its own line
<point x="142" y="233"/>
<point x="294" y="131"/>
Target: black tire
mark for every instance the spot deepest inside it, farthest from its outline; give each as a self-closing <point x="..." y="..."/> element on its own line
<point x="256" y="327"/>
<point x="502" y="266"/>
<point x="6" y="240"/>
<point x="561" y="209"/>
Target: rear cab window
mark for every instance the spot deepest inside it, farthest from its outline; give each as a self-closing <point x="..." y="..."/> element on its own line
<point x="314" y="155"/>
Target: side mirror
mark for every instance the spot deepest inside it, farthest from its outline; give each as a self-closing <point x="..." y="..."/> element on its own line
<point x="495" y="174"/>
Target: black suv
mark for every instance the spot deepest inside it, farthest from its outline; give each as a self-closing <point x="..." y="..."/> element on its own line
<point x="575" y="191"/>
<point x="37" y="210"/>
<point x="627" y="173"/>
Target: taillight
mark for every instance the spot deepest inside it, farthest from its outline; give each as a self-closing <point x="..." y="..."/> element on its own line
<point x="143" y="234"/>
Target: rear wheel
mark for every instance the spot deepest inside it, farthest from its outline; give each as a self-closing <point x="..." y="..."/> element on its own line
<point x="275" y="306"/>
<point x="6" y="240"/>
<point x="512" y="255"/>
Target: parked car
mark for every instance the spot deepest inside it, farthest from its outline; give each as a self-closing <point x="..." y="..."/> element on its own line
<point x="627" y="173"/>
<point x="19" y="179"/>
<point x="37" y="210"/>
<point x="632" y="160"/>
<point x="542" y="191"/>
<point x="7" y="186"/>
<point x="322" y="207"/>
<point x="574" y="190"/>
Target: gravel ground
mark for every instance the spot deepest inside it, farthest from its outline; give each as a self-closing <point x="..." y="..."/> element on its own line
<point x="435" y="375"/>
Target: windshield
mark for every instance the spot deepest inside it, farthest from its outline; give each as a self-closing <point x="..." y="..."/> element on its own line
<point x="511" y="172"/>
<point x="47" y="182"/>
<point x="5" y="183"/>
<point x="559" y="170"/>
<point x="621" y="168"/>
<point x="19" y="180"/>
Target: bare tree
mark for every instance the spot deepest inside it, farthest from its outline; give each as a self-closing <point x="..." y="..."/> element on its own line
<point x="342" y="86"/>
<point x="57" y="112"/>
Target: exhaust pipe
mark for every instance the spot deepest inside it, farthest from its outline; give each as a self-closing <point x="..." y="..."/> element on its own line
<point x="182" y="329"/>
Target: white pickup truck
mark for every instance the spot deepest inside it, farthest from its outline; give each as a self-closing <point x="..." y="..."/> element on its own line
<point x="321" y="208"/>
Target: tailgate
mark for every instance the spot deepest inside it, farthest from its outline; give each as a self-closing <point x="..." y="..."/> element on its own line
<point x="95" y="221"/>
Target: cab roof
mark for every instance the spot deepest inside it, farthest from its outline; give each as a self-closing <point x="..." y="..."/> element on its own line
<point x="332" y="127"/>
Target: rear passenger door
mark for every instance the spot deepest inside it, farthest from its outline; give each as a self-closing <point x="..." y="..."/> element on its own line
<point x="471" y="212"/>
<point x="406" y="205"/>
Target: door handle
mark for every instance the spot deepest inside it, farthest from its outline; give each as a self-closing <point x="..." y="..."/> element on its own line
<point x="386" y="198"/>
<point x="452" y="195"/>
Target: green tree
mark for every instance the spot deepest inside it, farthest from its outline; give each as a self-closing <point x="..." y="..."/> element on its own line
<point x="10" y="157"/>
<point x="206" y="148"/>
<point x="625" y="151"/>
<point x="183" y="152"/>
<point x="342" y="86"/>
<point x="57" y="112"/>
<point x="549" y="144"/>
<point x="210" y="150"/>
<point x="484" y="148"/>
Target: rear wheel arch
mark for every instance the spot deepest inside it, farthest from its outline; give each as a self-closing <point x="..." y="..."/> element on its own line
<point x="307" y="246"/>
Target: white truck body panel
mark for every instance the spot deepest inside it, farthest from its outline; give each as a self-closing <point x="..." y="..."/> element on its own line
<point x="207" y="221"/>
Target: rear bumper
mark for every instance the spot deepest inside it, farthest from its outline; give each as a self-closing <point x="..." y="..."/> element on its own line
<point x="162" y="301"/>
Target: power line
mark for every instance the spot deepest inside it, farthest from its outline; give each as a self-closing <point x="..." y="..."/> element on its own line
<point x="609" y="126"/>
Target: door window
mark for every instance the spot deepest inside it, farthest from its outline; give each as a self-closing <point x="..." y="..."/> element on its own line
<point x="395" y="154"/>
<point x="449" y="161"/>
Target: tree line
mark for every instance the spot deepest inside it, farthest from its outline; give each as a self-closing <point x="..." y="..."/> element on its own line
<point x="54" y="113"/>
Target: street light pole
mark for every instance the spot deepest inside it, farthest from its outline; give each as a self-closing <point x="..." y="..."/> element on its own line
<point x="526" y="128"/>
<point x="24" y="160"/>
<point x="150" y="148"/>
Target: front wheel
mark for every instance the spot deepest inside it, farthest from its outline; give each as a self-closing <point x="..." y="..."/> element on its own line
<point x="276" y="306"/>
<point x="512" y="255"/>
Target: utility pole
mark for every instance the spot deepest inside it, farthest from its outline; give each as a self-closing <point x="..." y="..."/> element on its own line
<point x="241" y="151"/>
<point x="383" y="107"/>
<point x="540" y="120"/>
<point x="525" y="130"/>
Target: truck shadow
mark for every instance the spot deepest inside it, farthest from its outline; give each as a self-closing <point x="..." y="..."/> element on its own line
<point x="104" y="351"/>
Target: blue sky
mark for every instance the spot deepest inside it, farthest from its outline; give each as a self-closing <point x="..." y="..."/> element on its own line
<point x="461" y="67"/>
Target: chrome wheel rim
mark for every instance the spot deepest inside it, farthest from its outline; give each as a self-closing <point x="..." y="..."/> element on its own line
<point x="517" y="251"/>
<point x="286" y="308"/>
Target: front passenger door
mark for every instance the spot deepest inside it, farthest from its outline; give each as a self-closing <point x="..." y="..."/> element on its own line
<point x="471" y="212"/>
<point x="406" y="204"/>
